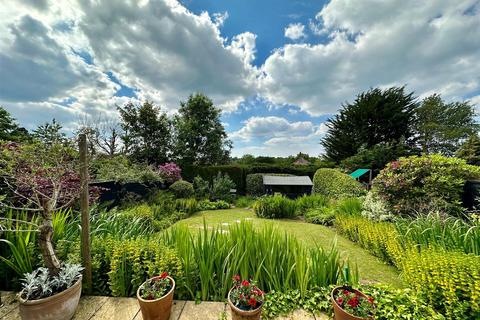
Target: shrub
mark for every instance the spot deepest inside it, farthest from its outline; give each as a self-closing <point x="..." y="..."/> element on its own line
<point x="254" y="185"/>
<point x="322" y="215"/>
<point x="423" y="184"/>
<point x="222" y="184"/>
<point x="374" y="208"/>
<point x="449" y="281"/>
<point x="162" y="203"/>
<point x="244" y="202"/>
<point x="182" y="189"/>
<point x="201" y="187"/>
<point x="212" y="205"/>
<point x="274" y="207"/>
<point x="306" y="202"/>
<point x="189" y="206"/>
<point x="170" y="172"/>
<point x="335" y="184"/>
<point x="120" y="169"/>
<point x="349" y="206"/>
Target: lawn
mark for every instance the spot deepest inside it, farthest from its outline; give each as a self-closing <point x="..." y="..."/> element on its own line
<point x="371" y="268"/>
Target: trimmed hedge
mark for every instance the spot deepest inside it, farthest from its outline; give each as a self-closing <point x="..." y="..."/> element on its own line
<point x="182" y="189"/>
<point x="335" y="184"/>
<point x="238" y="173"/>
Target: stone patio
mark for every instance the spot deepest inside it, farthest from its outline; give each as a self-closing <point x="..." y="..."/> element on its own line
<point x="110" y="308"/>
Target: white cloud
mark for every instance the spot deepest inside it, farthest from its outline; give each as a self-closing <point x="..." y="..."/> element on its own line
<point x="430" y="46"/>
<point x="219" y="18"/>
<point x="295" y="31"/>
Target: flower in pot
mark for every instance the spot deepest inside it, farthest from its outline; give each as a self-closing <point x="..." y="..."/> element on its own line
<point x="245" y="300"/>
<point x="351" y="304"/>
<point x="47" y="296"/>
<point x="155" y="297"/>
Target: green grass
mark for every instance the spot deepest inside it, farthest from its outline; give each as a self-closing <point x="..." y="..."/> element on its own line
<point x="371" y="268"/>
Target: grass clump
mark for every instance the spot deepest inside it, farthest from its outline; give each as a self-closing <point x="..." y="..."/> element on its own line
<point x="275" y="207"/>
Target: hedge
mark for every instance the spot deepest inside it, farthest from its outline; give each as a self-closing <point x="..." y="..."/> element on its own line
<point x="336" y="184"/>
<point x="238" y="173"/>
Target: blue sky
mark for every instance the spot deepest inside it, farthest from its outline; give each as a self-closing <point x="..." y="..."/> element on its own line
<point x="277" y="69"/>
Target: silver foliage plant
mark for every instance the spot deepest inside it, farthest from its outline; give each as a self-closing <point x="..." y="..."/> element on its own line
<point x="39" y="284"/>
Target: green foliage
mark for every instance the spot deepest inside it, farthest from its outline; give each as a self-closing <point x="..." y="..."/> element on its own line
<point x="146" y="133"/>
<point x="375" y="208"/>
<point x="120" y="169"/>
<point x="441" y="126"/>
<point x="254" y="184"/>
<point x="10" y="130"/>
<point x="321" y="215"/>
<point x="127" y="224"/>
<point x="349" y="206"/>
<point x="189" y="206"/>
<point x="470" y="150"/>
<point x="307" y="202"/>
<point x="277" y="261"/>
<point x="449" y="281"/>
<point x="335" y="184"/>
<point x="222" y="184"/>
<point x="244" y="202"/>
<point x="50" y="133"/>
<point x="134" y="261"/>
<point x="212" y="205"/>
<point x="163" y="203"/>
<point x="376" y="116"/>
<point x="422" y="184"/>
<point x="200" y="136"/>
<point x="201" y="187"/>
<point x="437" y="231"/>
<point x="275" y="207"/>
<point x="182" y="189"/>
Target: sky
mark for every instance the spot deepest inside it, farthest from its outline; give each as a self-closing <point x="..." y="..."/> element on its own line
<point x="278" y="69"/>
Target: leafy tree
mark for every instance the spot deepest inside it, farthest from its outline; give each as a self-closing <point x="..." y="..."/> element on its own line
<point x="441" y="127"/>
<point x="200" y="136"/>
<point x="470" y="150"/>
<point x="146" y="133"/>
<point x="9" y="129"/>
<point x="376" y="116"/>
<point x="50" y="133"/>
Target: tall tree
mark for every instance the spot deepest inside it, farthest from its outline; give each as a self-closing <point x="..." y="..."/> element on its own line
<point x="470" y="150"/>
<point x="146" y="133"/>
<point x="9" y="129"/>
<point x="376" y="116"/>
<point x="442" y="127"/>
<point x="200" y="135"/>
<point x="50" y="133"/>
<point x="103" y="134"/>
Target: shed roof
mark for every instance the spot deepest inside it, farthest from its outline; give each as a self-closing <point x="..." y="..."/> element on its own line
<point x="287" y="180"/>
<point x="358" y="173"/>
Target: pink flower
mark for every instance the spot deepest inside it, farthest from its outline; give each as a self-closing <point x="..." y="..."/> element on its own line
<point x="236" y="278"/>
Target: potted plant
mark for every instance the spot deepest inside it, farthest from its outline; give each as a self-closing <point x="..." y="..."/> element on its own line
<point x="351" y="304"/>
<point x="245" y="300"/>
<point x="155" y="297"/>
<point x="51" y="297"/>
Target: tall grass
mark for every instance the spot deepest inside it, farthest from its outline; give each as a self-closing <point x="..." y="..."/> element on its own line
<point x="349" y="206"/>
<point x="434" y="230"/>
<point x="276" y="260"/>
<point x="306" y="202"/>
<point x="117" y="226"/>
<point x="275" y="207"/>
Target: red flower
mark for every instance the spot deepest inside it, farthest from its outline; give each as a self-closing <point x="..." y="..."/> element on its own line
<point x="252" y="302"/>
<point x="370" y="299"/>
<point x="236" y="278"/>
<point x="346" y="292"/>
<point x="163" y="275"/>
<point x="245" y="283"/>
<point x="353" y="302"/>
<point x="340" y="300"/>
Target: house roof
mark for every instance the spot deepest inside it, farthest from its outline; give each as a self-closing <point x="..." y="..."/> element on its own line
<point x="358" y="173"/>
<point x="287" y="180"/>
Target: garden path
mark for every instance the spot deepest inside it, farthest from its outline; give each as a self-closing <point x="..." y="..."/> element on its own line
<point x="112" y="308"/>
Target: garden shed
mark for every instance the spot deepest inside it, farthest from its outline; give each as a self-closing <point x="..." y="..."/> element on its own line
<point x="290" y="186"/>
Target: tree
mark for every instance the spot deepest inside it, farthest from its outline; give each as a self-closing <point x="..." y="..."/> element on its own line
<point x="200" y="136"/>
<point x="50" y="133"/>
<point x="9" y="129"/>
<point x="470" y="150"/>
<point x="102" y="135"/>
<point x="441" y="127"/>
<point x="376" y="116"/>
<point x="146" y="133"/>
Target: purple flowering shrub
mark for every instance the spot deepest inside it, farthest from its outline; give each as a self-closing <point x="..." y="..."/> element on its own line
<point x="170" y="172"/>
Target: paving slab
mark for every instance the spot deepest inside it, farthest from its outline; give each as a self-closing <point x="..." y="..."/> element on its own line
<point x="9" y="304"/>
<point x="202" y="311"/>
<point x="297" y="315"/>
<point x="88" y="306"/>
<point x="118" y="309"/>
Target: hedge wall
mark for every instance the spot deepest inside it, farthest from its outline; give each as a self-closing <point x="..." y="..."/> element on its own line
<point x="238" y="173"/>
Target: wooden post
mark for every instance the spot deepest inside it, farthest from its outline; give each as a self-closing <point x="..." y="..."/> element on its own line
<point x="85" y="212"/>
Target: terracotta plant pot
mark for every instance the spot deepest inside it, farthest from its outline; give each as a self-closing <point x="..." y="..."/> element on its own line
<point x="239" y="314"/>
<point x="61" y="306"/>
<point x="158" y="309"/>
<point x="341" y="314"/>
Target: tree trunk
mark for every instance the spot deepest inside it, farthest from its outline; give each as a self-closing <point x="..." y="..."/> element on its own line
<point x="46" y="245"/>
